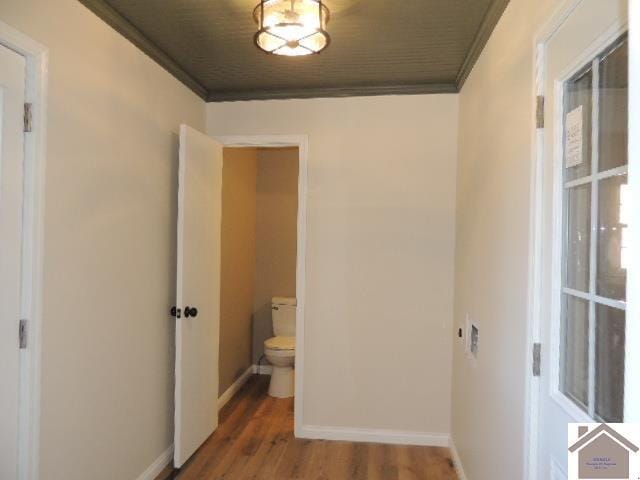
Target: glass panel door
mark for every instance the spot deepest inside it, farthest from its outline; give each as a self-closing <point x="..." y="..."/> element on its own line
<point x="594" y="281"/>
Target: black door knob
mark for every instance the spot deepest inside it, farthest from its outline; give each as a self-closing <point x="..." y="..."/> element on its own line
<point x="190" y="311"/>
<point x="175" y="312"/>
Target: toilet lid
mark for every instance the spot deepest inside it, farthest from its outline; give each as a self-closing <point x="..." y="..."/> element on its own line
<point x="281" y="343"/>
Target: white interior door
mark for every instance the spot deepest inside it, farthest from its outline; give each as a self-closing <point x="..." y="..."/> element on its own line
<point x="198" y="287"/>
<point x="585" y="252"/>
<point x="12" y="84"/>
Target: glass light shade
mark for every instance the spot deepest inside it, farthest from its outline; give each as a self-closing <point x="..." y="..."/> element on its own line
<point x="291" y="27"/>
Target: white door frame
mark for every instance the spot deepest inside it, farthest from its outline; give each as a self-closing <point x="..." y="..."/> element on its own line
<point x="632" y="390"/>
<point x="37" y="59"/>
<point x="533" y="384"/>
<point x="302" y="142"/>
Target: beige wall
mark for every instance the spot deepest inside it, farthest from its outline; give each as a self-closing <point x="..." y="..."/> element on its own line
<point x="380" y="244"/>
<point x="109" y="272"/>
<point x="277" y="210"/>
<point x="259" y="220"/>
<point x="492" y="245"/>
<point x="239" y="173"/>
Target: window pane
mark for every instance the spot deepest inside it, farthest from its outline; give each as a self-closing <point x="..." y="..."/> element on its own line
<point x="574" y="376"/>
<point x="578" y="225"/>
<point x="612" y="276"/>
<point x="577" y="94"/>
<point x="613" y="108"/>
<point x="610" y="348"/>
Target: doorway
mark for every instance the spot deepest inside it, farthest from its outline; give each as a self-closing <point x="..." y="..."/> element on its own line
<point x="258" y="264"/>
<point x="301" y="142"/>
<point x="581" y="251"/>
<point x="23" y="87"/>
<point x="197" y="310"/>
<point x="12" y="99"/>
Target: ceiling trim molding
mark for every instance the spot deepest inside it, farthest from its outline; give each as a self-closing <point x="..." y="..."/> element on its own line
<point x="284" y="94"/>
<point x="135" y="36"/>
<point x="485" y="30"/>
<point x="118" y="22"/>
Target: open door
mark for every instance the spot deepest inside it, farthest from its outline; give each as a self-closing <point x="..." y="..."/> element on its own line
<point x="198" y="292"/>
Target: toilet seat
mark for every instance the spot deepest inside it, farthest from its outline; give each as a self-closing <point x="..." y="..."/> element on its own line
<point x="279" y="354"/>
<point x="280" y="343"/>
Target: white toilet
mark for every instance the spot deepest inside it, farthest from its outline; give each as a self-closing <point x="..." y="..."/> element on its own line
<point x="281" y="349"/>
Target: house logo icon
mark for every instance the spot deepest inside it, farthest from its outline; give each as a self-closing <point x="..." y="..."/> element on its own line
<point x="600" y="451"/>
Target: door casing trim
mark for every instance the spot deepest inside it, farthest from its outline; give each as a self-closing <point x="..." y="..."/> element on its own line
<point x="532" y="385"/>
<point x="36" y="93"/>
<point x="302" y="143"/>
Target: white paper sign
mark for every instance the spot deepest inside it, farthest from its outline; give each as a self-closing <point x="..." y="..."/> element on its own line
<point x="573" y="147"/>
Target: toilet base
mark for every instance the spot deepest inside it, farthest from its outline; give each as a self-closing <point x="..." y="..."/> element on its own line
<point x="282" y="382"/>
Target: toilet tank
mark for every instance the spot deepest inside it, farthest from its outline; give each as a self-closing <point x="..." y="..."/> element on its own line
<point x="283" y="316"/>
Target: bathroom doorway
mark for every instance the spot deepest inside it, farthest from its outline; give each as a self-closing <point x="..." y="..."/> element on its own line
<point x="258" y="268"/>
<point x="301" y="143"/>
<point x="197" y="309"/>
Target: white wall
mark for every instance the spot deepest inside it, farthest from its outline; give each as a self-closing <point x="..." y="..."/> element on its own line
<point x="492" y="245"/>
<point x="107" y="382"/>
<point x="379" y="253"/>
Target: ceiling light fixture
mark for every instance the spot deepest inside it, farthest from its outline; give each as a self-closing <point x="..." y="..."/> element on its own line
<point x="291" y="27"/>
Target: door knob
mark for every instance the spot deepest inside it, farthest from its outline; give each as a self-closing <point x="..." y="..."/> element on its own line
<point x="190" y="311"/>
<point x="176" y="312"/>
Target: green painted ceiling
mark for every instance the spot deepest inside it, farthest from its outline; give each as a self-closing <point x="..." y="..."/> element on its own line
<point x="378" y="46"/>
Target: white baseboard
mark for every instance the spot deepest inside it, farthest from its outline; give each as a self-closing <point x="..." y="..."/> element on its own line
<point x="235" y="386"/>
<point x="158" y="465"/>
<point x="375" y="436"/>
<point x="457" y="463"/>
<point x="262" y="369"/>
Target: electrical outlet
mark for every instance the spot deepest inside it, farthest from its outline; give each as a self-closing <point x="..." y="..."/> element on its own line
<point x="471" y="339"/>
<point x="475" y="338"/>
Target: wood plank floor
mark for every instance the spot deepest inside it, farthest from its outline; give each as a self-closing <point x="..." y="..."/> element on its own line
<point x="255" y="442"/>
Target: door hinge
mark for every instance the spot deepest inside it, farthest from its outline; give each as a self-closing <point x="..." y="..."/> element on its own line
<point x="28" y="117"/>
<point x="22" y="334"/>
<point x="537" y="355"/>
<point x="540" y="111"/>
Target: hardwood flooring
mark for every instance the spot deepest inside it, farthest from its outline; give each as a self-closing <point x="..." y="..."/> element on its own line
<point x="255" y="442"/>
